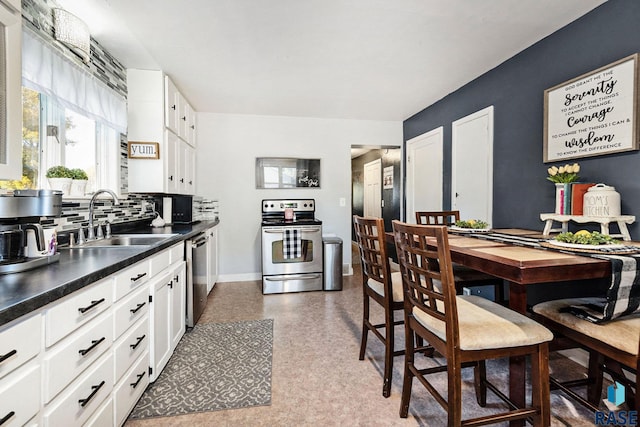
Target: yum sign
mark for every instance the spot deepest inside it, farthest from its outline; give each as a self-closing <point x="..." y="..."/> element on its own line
<point x="143" y="150"/>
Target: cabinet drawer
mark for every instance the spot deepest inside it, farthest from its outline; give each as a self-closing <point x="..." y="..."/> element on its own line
<point x="20" y="395"/>
<point x="70" y="357"/>
<point x="78" y="309"/>
<point x="83" y="397"/>
<point x="19" y="343"/>
<point x="176" y="253"/>
<point x="130" y="347"/>
<point x="129" y="279"/>
<point x="160" y="261"/>
<point x="128" y="311"/>
<point x="129" y="390"/>
<point x="103" y="417"/>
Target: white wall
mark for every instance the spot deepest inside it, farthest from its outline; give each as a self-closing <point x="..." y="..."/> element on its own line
<point x="227" y="147"/>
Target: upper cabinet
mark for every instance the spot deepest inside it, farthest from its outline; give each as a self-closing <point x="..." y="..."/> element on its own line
<point x="10" y="90"/>
<point x="158" y="112"/>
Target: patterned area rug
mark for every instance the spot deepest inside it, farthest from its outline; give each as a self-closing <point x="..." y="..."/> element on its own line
<point x="215" y="366"/>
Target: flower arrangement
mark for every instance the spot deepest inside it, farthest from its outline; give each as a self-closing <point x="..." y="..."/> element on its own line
<point x="564" y="174"/>
<point x="59" y="172"/>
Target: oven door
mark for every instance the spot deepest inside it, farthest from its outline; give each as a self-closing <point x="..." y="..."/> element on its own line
<point x="273" y="253"/>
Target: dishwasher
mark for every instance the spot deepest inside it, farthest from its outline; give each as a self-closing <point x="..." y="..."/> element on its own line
<point x="197" y="277"/>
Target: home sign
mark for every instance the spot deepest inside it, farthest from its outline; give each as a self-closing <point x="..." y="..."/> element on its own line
<point x="143" y="150"/>
<point x="593" y="114"/>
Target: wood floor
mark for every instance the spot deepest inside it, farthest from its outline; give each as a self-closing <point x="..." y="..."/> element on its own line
<point x="317" y="379"/>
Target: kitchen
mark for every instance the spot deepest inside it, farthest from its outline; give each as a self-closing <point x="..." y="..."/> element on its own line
<point x="235" y="135"/>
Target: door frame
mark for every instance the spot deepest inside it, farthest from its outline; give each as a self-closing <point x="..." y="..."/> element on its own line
<point x="410" y="185"/>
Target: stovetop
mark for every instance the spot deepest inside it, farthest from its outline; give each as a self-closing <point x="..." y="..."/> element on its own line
<point x="273" y="212"/>
<point x="279" y="222"/>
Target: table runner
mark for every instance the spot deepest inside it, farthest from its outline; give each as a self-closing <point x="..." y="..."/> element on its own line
<point x="623" y="295"/>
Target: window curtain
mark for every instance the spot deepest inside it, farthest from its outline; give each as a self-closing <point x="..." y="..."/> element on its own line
<point x="46" y="70"/>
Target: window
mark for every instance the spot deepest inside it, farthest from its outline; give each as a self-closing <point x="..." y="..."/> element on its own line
<point x="56" y="135"/>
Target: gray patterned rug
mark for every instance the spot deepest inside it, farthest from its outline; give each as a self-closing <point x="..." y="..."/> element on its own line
<point x="215" y="366"/>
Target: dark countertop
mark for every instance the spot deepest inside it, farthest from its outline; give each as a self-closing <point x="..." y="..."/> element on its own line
<point x="22" y="293"/>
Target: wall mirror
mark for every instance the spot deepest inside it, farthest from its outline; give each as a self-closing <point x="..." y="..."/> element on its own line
<point x="285" y="172"/>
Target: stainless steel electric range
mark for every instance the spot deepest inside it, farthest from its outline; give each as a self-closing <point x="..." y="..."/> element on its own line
<point x="291" y="246"/>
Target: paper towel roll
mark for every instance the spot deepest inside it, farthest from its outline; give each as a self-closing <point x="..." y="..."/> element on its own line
<point x="167" y="209"/>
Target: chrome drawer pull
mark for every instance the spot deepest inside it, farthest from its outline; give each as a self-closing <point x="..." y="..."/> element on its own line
<point x="7" y="417"/>
<point x="93" y="345"/>
<point x="8" y="355"/>
<point x="139" y="340"/>
<point x="140" y="377"/>
<point x="138" y="307"/>
<point x="86" y="400"/>
<point x="138" y="277"/>
<point x="89" y="307"/>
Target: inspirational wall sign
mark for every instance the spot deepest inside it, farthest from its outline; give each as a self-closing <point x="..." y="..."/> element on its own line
<point x="593" y="114"/>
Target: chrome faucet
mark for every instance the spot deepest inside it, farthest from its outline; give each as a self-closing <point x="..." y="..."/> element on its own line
<point x="91" y="234"/>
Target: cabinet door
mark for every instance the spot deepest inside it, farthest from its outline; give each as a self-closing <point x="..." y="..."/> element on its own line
<point x="171" y="106"/>
<point x="172" y="162"/>
<point x="160" y="318"/>
<point x="178" y="304"/>
<point x="187" y="169"/>
<point x="192" y="129"/>
<point x="185" y="118"/>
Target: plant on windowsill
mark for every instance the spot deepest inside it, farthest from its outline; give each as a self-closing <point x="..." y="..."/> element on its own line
<point x="79" y="182"/>
<point x="60" y="178"/>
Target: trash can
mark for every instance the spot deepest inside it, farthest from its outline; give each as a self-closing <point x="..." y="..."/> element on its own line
<point x="332" y="248"/>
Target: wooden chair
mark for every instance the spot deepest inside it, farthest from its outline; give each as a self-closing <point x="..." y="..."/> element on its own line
<point x="466" y="330"/>
<point x="464" y="276"/>
<point x="613" y="347"/>
<point x="380" y="285"/>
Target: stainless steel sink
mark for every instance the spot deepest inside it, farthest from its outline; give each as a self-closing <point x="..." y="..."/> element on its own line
<point x="120" y="240"/>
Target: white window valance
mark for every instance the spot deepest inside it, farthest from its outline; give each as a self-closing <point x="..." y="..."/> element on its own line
<point x="46" y="70"/>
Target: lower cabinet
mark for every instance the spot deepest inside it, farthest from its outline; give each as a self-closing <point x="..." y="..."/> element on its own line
<point x="87" y="358"/>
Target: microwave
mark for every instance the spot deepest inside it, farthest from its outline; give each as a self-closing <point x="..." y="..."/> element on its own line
<point x="186" y="209"/>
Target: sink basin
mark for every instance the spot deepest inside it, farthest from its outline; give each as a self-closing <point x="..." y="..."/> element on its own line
<point x="120" y="240"/>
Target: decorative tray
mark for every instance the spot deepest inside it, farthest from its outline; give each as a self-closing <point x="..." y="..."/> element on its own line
<point x="593" y="249"/>
<point x="469" y="230"/>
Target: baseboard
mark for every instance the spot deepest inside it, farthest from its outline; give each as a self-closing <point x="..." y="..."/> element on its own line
<point x="244" y="277"/>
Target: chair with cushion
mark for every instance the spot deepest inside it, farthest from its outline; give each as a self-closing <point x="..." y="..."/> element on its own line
<point x="613" y="347"/>
<point x="380" y="285"/>
<point x="464" y="276"/>
<point x="465" y="329"/>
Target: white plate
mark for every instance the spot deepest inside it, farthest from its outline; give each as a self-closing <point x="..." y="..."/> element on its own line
<point x="579" y="246"/>
<point x="470" y="230"/>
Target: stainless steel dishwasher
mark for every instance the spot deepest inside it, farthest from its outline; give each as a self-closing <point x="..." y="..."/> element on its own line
<point x="196" y="254"/>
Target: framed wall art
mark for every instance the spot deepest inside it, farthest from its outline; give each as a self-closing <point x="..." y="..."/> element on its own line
<point x="285" y="172"/>
<point x="593" y="114"/>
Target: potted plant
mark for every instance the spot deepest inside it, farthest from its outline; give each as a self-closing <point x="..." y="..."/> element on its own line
<point x="59" y="178"/>
<point x="79" y="182"/>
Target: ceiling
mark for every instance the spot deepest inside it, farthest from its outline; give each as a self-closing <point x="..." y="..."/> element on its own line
<point x="350" y="59"/>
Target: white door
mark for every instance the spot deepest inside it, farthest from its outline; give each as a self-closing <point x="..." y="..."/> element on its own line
<point x="373" y="189"/>
<point x="424" y="173"/>
<point x="472" y="165"/>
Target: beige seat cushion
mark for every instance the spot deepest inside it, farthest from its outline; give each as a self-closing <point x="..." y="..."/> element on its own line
<point x="622" y="333"/>
<point x="487" y="325"/>
<point x="396" y="283"/>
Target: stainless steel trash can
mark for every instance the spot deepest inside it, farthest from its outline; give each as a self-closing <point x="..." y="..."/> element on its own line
<point x="332" y="247"/>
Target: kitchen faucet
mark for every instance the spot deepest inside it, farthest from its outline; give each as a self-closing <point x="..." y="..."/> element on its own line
<point x="91" y="235"/>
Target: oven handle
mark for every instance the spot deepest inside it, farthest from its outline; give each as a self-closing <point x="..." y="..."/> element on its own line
<point x="293" y="277"/>
<point x="281" y="230"/>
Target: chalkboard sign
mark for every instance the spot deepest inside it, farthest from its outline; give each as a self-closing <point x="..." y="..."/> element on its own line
<point x="593" y="114"/>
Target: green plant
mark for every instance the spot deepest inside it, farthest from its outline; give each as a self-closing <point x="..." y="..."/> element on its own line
<point x="59" y="172"/>
<point x="564" y="174"/>
<point x="78" y="174"/>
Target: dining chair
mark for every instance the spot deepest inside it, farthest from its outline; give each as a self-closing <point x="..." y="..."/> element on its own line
<point x="613" y="347"/>
<point x="466" y="330"/>
<point x="464" y="276"/>
<point x="381" y="285"/>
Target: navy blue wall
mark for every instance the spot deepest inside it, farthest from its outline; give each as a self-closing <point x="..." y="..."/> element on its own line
<point x="516" y="90"/>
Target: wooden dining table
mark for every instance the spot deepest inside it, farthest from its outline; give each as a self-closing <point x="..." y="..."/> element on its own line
<point x="520" y="267"/>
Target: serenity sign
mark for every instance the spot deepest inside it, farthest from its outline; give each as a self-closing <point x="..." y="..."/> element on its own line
<point x="593" y="114"/>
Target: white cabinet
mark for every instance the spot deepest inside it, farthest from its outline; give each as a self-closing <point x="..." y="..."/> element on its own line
<point x="20" y="395"/>
<point x="158" y="112"/>
<point x="11" y="89"/>
<point x="168" y="294"/>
